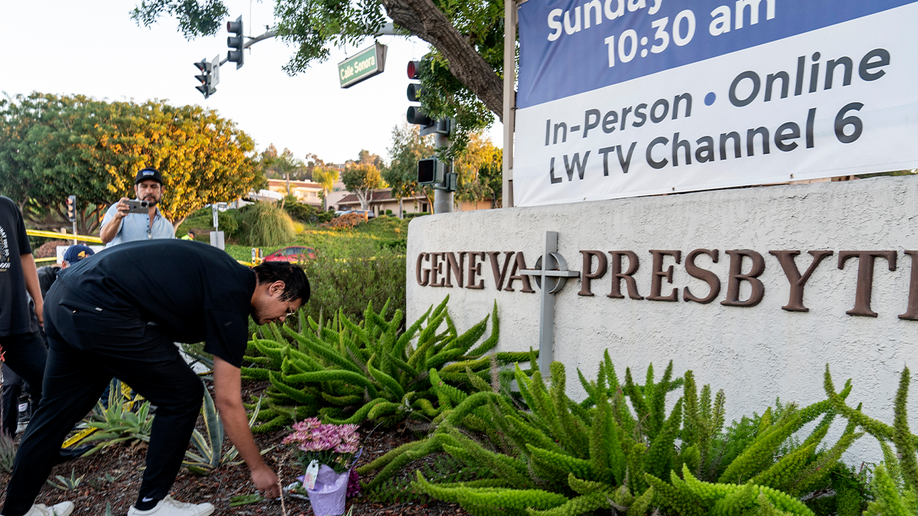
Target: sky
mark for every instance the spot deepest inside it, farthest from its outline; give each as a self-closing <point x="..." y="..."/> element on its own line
<point x="94" y="48"/>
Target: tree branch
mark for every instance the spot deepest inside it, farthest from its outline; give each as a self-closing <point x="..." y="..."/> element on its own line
<point x="423" y="19"/>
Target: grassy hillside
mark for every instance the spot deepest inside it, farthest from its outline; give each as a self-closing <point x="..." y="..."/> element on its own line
<point x="382" y="233"/>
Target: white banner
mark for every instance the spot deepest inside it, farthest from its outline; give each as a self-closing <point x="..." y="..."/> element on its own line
<point x="833" y="101"/>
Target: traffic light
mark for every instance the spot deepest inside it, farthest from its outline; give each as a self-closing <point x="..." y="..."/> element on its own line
<point x="235" y="43"/>
<point x="71" y="208"/>
<point x="206" y="78"/>
<point x="415" y="115"/>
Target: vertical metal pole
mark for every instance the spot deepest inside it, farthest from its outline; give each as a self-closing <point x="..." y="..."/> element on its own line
<point x="509" y="112"/>
<point x="74" y="231"/>
<point x="547" y="313"/>
<point x="443" y="200"/>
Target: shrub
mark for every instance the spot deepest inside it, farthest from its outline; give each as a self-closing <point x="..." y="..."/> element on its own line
<point x="119" y="423"/>
<point x="348" y="373"/>
<point x="49" y="249"/>
<point x="306" y="213"/>
<point x="264" y="224"/>
<point x="347" y="278"/>
<point x="208" y="454"/>
<point x="346" y="221"/>
<point x="325" y="216"/>
<point x="229" y="223"/>
<point x="619" y="448"/>
<point x="896" y="481"/>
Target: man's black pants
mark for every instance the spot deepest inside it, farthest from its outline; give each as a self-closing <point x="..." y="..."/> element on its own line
<point x="13" y="388"/>
<point x="86" y="349"/>
<point x="25" y="354"/>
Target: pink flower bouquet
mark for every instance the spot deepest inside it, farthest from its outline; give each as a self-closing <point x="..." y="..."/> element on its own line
<point x="332" y="445"/>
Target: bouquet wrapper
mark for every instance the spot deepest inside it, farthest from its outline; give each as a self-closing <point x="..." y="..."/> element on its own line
<point x="328" y="495"/>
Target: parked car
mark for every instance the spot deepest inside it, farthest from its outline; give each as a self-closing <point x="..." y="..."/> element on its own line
<point x="291" y="254"/>
<point x="368" y="213"/>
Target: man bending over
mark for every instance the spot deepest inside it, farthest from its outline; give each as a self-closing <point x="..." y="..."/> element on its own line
<point x="118" y="313"/>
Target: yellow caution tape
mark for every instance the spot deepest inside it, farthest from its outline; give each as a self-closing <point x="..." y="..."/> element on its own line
<point x="79" y="436"/>
<point x="63" y="236"/>
<point x="82" y="434"/>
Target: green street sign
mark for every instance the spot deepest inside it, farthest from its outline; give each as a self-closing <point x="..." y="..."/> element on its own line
<point x="362" y="66"/>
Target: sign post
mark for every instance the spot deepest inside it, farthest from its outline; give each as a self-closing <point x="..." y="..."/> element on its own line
<point x="550" y="274"/>
<point x="216" y="236"/>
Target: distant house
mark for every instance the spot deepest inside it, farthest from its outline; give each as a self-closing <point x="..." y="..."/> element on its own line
<point x="381" y="200"/>
<point x="263" y="195"/>
<point x="337" y="193"/>
<point x="305" y="192"/>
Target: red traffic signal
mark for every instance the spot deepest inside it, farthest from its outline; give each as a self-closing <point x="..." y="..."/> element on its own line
<point x="414" y="67"/>
<point x="415" y="115"/>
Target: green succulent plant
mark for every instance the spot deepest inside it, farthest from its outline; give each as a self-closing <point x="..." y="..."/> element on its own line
<point x="376" y="370"/>
<point x="208" y="454"/>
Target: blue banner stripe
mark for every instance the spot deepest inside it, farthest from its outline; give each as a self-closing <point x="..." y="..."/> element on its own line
<point x="642" y="45"/>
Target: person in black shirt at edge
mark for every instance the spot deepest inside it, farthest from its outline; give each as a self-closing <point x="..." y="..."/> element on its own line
<point x="13" y="384"/>
<point x="118" y="313"/>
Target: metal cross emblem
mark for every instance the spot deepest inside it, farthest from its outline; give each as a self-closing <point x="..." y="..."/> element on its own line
<point x="550" y="274"/>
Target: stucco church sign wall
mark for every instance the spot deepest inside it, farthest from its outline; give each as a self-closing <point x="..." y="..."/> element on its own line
<point x="615" y="271"/>
<point x="620" y="98"/>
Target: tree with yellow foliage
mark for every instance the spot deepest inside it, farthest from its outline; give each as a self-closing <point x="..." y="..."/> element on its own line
<point x="53" y="146"/>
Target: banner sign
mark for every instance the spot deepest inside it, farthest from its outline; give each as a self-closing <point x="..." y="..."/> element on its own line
<point x="621" y="98"/>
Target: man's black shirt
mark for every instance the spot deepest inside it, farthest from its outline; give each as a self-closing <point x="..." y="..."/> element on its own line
<point x="193" y="292"/>
<point x="15" y="312"/>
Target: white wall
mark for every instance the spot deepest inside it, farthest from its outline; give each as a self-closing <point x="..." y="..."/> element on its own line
<point x="754" y="353"/>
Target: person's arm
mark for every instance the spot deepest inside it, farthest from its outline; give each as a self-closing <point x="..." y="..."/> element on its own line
<point x="30" y="273"/>
<point x="227" y="387"/>
<point x="110" y="229"/>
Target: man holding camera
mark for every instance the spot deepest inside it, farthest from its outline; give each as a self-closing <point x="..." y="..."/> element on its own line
<point x="126" y="223"/>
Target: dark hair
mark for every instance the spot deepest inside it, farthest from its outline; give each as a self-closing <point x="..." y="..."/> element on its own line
<point x="295" y="281"/>
<point x="191" y="233"/>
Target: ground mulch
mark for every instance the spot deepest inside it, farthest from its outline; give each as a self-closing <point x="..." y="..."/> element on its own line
<point x="123" y="465"/>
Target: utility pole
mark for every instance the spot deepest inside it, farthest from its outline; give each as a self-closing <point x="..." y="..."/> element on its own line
<point x="430" y="171"/>
<point x="443" y="197"/>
